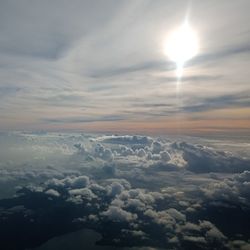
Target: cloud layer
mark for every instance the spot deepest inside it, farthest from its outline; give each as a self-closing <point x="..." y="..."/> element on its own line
<point x="134" y="190"/>
<point x="99" y="66"/>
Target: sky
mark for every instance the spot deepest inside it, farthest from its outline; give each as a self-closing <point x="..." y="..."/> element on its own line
<point x="99" y="66"/>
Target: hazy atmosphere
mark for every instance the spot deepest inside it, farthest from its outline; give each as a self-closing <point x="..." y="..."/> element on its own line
<point x="100" y="66"/>
<point x="124" y="125"/>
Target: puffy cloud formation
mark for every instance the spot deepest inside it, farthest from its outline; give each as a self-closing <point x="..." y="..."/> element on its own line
<point x="141" y="152"/>
<point x="78" y="182"/>
<point x="165" y="156"/>
<point x="85" y="192"/>
<point x="204" y="230"/>
<point x="115" y="188"/>
<point x="52" y="192"/>
<point x="126" y="139"/>
<point x="155" y="192"/>
<point x="103" y="153"/>
<point x="235" y="189"/>
<point x="157" y="147"/>
<point x="128" y="204"/>
<point x="72" y="182"/>
<point x="115" y="201"/>
<point x="118" y="214"/>
<point x="202" y="159"/>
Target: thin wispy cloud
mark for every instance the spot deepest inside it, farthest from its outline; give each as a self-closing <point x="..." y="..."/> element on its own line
<point x="96" y="59"/>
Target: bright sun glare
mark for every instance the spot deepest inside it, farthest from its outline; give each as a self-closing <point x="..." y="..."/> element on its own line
<point x="181" y="45"/>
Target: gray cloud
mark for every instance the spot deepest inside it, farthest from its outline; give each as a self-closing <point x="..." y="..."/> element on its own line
<point x="203" y="159"/>
<point x="222" y="54"/>
<point x="83" y="119"/>
<point x="235" y="100"/>
<point x="96" y="55"/>
<point x="39" y="31"/>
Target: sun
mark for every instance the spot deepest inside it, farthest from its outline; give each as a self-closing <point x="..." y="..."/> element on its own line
<point x="181" y="45"/>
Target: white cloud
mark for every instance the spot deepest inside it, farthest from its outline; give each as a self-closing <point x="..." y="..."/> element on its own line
<point x="195" y="239"/>
<point x="202" y="159"/>
<point x="115" y="188"/>
<point x="165" y="156"/>
<point x="82" y="191"/>
<point x="231" y="189"/>
<point x="118" y="214"/>
<point x="79" y="182"/>
<point x="52" y="192"/>
<point x="126" y="139"/>
<point x="103" y="153"/>
<point x="162" y="218"/>
<point x="176" y="214"/>
<point x="141" y="152"/>
<point x="80" y="195"/>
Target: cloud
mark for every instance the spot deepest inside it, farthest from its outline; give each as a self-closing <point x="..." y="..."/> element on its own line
<point x="52" y="192"/>
<point x="239" y="244"/>
<point x="195" y="239"/>
<point x="176" y="214"/>
<point x="202" y="159"/>
<point x="115" y="188"/>
<point x="83" y="119"/>
<point x="80" y="148"/>
<point x="6" y="91"/>
<point x="85" y="63"/>
<point x="111" y="72"/>
<point x="179" y="197"/>
<point x="141" y="152"/>
<point x="78" y="182"/>
<point x="46" y="38"/>
<point x="224" y="101"/>
<point x="70" y="182"/>
<point x="232" y="189"/>
<point x="135" y="233"/>
<point x="103" y="153"/>
<point x="202" y="234"/>
<point x="233" y="50"/>
<point x="118" y="214"/>
<point x="126" y="139"/>
<point x="138" y="208"/>
<point x="81" y="193"/>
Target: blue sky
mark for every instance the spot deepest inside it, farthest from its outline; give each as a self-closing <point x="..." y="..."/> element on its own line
<point x="100" y="66"/>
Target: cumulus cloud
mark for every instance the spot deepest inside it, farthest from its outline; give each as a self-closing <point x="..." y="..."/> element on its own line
<point x="135" y="233"/>
<point x="157" y="147"/>
<point x="202" y="159"/>
<point x="103" y="153"/>
<point x="115" y="188"/>
<point x="72" y="182"/>
<point x="80" y="148"/>
<point x="125" y="151"/>
<point x="231" y="189"/>
<point x="118" y="214"/>
<point x="126" y="139"/>
<point x="204" y="234"/>
<point x="52" y="192"/>
<point x="195" y="239"/>
<point x="165" y="156"/>
<point x="81" y="193"/>
<point x="176" y="214"/>
<point x="78" y="182"/>
<point x="239" y="244"/>
<point x="162" y="217"/>
<point x="118" y="202"/>
<point x="142" y="190"/>
<point x="141" y="152"/>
